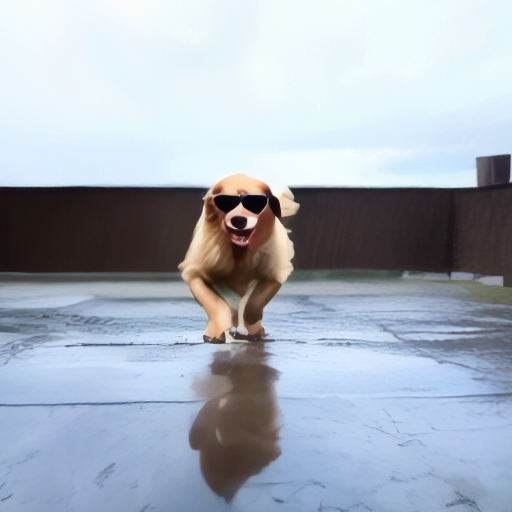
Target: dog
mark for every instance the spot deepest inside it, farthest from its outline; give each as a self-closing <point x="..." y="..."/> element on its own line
<point x="240" y="255"/>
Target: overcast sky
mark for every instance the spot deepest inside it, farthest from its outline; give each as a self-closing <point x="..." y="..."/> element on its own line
<point x="355" y="93"/>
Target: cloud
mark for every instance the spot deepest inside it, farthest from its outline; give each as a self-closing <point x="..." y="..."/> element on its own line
<point x="162" y="92"/>
<point x="348" y="167"/>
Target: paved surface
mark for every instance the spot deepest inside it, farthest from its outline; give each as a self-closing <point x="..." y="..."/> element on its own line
<point x="376" y="395"/>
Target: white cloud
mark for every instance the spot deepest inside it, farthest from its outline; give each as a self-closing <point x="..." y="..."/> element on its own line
<point x="195" y="88"/>
<point x="347" y="167"/>
<point x="355" y="168"/>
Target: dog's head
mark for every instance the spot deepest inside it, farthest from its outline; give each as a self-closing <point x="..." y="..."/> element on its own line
<point x="244" y="207"/>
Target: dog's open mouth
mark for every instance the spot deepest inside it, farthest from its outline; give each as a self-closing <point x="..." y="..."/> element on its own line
<point x="239" y="237"/>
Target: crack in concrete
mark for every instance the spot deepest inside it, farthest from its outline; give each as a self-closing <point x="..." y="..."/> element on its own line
<point x="78" y="345"/>
<point x="16" y="347"/>
<point x="394" y="334"/>
<point x="381" y="430"/>
<point x="131" y="402"/>
<point x="103" y="475"/>
<point x="30" y="456"/>
<point x="322" y="507"/>
<point x="464" y="500"/>
<point x="470" y="429"/>
<point x="358" y="506"/>
<point x="267" y="484"/>
<point x="411" y="442"/>
<point x="308" y="484"/>
<point x="394" y="422"/>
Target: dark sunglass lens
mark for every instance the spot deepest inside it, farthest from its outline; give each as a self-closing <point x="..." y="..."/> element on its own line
<point x="226" y="203"/>
<point x="254" y="204"/>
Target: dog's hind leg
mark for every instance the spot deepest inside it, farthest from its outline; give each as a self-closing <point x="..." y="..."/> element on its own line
<point x="218" y="311"/>
<point x="261" y="295"/>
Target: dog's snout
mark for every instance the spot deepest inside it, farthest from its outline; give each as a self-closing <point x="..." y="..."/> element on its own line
<point x="239" y="222"/>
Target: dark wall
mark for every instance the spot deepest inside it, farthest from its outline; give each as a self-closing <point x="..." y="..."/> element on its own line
<point x="393" y="229"/>
<point x="149" y="229"/>
<point x="96" y="229"/>
<point x="483" y="230"/>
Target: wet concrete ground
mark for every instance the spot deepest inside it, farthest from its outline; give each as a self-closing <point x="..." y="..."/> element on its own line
<point x="378" y="394"/>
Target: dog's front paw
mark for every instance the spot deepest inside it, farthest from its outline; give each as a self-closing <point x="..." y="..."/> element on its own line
<point x="249" y="337"/>
<point x="217" y="327"/>
<point x="255" y="329"/>
<point x="213" y="339"/>
<point x="254" y="332"/>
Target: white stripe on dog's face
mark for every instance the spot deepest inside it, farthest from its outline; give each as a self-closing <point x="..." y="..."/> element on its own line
<point x="251" y="222"/>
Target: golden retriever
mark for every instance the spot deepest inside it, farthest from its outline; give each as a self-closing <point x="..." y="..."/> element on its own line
<point x="241" y="250"/>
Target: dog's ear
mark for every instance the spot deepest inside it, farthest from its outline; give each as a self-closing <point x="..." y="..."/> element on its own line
<point x="210" y="211"/>
<point x="275" y="205"/>
<point x="282" y="204"/>
<point x="286" y="200"/>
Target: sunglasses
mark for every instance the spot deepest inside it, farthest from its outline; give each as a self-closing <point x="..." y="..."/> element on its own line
<point x="254" y="203"/>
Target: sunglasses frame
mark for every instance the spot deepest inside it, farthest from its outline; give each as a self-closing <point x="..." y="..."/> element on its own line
<point x="241" y="198"/>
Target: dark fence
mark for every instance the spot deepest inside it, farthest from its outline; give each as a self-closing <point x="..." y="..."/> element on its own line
<point x="393" y="229"/>
<point x="149" y="229"/>
<point x="482" y="238"/>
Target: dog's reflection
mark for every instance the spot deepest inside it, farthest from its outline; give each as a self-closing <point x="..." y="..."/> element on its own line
<point x="237" y="433"/>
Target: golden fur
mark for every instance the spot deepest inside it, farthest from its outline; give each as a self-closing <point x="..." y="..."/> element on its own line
<point x="209" y="252"/>
<point x="255" y="270"/>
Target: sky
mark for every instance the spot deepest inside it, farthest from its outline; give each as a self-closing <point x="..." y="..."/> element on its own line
<point x="304" y="93"/>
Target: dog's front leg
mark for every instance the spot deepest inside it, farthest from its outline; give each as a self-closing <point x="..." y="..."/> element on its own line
<point x="219" y="313"/>
<point x="262" y="294"/>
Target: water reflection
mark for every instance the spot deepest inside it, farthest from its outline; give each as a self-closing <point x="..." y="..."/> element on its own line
<point x="237" y="432"/>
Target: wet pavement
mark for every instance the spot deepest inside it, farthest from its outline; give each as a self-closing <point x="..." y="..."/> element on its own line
<point x="377" y="394"/>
